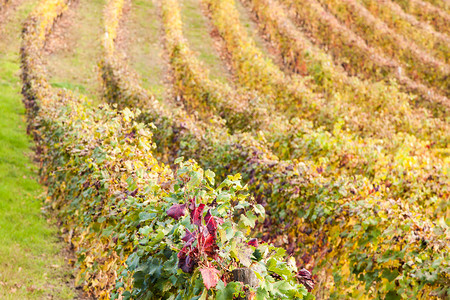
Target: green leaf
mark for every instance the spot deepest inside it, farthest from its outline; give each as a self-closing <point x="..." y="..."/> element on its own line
<point x="227" y="292"/>
<point x="249" y="219"/>
<point x="145" y="231"/>
<point x="210" y="176"/>
<point x="144" y="216"/>
<point x="283" y="286"/>
<point x="156" y="239"/>
<point x="178" y="160"/>
<point x="196" y="180"/>
<point x="390" y="275"/>
<point x="262" y="294"/>
<point x="259" y="209"/>
<point x="278" y="267"/>
<point x="223" y="197"/>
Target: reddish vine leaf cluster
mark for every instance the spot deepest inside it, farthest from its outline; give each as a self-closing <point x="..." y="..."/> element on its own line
<point x="205" y="236"/>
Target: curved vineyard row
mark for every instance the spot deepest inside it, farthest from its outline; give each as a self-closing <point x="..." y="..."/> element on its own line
<point x="255" y="71"/>
<point x="352" y="52"/>
<point x="356" y="98"/>
<point x="418" y="64"/>
<point x="242" y="110"/>
<point x="408" y="26"/>
<point x="427" y="13"/>
<point x="253" y="169"/>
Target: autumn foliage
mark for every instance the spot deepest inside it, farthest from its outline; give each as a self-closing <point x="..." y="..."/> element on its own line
<point x="324" y="173"/>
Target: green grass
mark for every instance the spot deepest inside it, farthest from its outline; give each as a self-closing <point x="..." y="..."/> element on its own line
<point x="196" y="31"/>
<point x="74" y="64"/>
<point x="70" y="86"/>
<point x="31" y="264"/>
<point x="143" y="46"/>
<point x="251" y="26"/>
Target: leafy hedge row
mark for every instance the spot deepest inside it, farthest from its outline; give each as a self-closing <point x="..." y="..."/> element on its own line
<point x="141" y="231"/>
<point x="416" y="62"/>
<point x="408" y="26"/>
<point x="254" y="71"/>
<point x="426" y="12"/>
<point x="343" y="216"/>
<point x="352" y="52"/>
<point x="393" y="113"/>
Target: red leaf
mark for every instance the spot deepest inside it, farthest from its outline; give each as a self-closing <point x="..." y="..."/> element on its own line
<point x="176" y="211"/>
<point x="186" y="260"/>
<point x="189" y="237"/>
<point x="196" y="214"/>
<point x="208" y="244"/>
<point x="210" y="277"/>
<point x="210" y="223"/>
<point x="253" y="242"/>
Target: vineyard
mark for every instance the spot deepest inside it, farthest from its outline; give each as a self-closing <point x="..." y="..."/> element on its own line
<point x="243" y="149"/>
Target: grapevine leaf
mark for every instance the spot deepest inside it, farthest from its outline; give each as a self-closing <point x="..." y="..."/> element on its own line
<point x="196" y="214"/>
<point x="209" y="245"/>
<point x="210" y="277"/>
<point x="189" y="237"/>
<point x="253" y="242"/>
<point x="210" y="223"/>
<point x="185" y="260"/>
<point x="210" y="175"/>
<point x="176" y="211"/>
<point x="227" y="292"/>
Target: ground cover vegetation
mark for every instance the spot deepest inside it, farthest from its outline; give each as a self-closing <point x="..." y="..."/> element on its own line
<point x="310" y="147"/>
